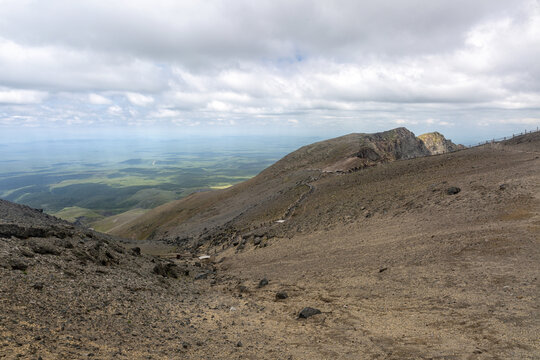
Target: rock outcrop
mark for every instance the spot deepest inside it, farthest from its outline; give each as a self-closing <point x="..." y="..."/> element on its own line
<point x="436" y="143"/>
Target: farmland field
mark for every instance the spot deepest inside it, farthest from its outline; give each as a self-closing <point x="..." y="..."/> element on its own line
<point x="88" y="180"/>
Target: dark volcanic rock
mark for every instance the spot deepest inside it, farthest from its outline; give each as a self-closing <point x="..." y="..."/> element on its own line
<point x="17" y="264"/>
<point x="166" y="270"/>
<point x="452" y="190"/>
<point x="308" y="312"/>
<point x="136" y="251"/>
<point x="263" y="282"/>
<point x="44" y="249"/>
<point x="281" y="295"/>
<point x="38" y="286"/>
<point x="201" y="276"/>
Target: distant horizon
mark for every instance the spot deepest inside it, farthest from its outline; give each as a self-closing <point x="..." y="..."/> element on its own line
<point x="28" y="135"/>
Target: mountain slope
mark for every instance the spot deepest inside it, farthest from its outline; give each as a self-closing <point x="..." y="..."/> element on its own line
<point x="254" y="206"/>
<point x="71" y="293"/>
<point x="432" y="257"/>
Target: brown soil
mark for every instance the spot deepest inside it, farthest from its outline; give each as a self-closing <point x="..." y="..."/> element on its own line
<point x="399" y="268"/>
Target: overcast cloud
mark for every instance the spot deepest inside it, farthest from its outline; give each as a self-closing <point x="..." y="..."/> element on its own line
<point x="469" y="69"/>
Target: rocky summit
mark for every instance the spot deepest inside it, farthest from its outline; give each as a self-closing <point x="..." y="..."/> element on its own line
<point x="436" y="143"/>
<point x="393" y="255"/>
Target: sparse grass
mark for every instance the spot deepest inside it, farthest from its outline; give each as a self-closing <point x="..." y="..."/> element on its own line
<point x="73" y="212"/>
<point x="220" y="186"/>
<point x="107" y="224"/>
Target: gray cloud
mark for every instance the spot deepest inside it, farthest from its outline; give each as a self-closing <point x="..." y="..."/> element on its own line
<point x="343" y="64"/>
<point x="186" y="31"/>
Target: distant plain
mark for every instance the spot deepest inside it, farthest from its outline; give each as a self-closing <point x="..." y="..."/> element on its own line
<point x="91" y="180"/>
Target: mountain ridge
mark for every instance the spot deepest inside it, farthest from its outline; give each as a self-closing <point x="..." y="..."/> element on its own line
<point x="275" y="192"/>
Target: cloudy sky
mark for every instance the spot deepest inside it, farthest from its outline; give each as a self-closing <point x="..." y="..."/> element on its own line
<point x="469" y="69"/>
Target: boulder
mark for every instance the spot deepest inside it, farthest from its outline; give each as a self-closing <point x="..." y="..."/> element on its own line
<point x="308" y="312"/>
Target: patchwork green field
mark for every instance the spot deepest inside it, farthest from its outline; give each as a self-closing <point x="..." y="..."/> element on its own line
<point x="91" y="180"/>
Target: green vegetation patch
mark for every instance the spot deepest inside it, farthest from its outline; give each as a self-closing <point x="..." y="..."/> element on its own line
<point x="72" y="213"/>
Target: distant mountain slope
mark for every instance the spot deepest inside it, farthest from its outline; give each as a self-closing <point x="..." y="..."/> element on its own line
<point x="275" y="193"/>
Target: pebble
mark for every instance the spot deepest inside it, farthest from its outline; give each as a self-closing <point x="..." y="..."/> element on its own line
<point x="263" y="282"/>
<point x="308" y="312"/>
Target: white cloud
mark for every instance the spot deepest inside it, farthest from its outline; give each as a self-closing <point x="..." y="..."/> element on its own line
<point x="58" y="68"/>
<point x="139" y="99"/>
<point x="522" y="121"/>
<point x="115" y="110"/>
<point x="12" y="96"/>
<point x="165" y="113"/>
<point x="96" y="99"/>
<point x="219" y="106"/>
<point x="347" y="65"/>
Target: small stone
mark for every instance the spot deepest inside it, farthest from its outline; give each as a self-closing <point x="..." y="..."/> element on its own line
<point x="452" y="190"/>
<point x="308" y="312"/>
<point x="185" y="345"/>
<point x="239" y="344"/>
<point x="201" y="276"/>
<point x="18" y="265"/>
<point x="503" y="186"/>
<point x="38" y="286"/>
<point x="263" y="282"/>
<point x="281" y="295"/>
<point x="242" y="288"/>
<point x="383" y="269"/>
<point x="136" y="251"/>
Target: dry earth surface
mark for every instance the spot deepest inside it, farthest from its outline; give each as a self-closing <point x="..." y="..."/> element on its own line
<point x="400" y="265"/>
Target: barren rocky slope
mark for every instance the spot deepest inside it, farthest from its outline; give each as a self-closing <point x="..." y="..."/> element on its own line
<point x="429" y="258"/>
<point x="253" y="207"/>
<point x="70" y="293"/>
